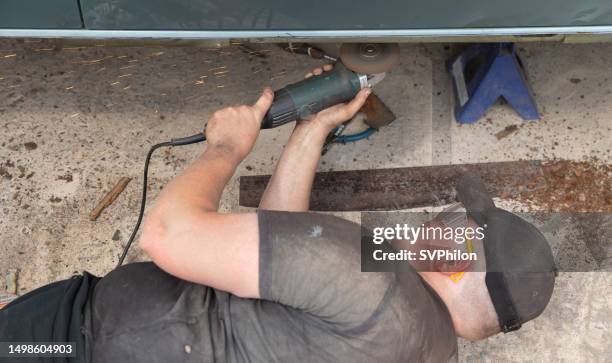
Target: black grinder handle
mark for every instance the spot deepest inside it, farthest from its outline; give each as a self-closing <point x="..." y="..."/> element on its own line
<point x="309" y="96"/>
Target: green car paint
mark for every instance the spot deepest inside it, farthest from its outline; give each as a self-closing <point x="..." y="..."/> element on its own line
<point x="313" y="19"/>
<point x="40" y="14"/>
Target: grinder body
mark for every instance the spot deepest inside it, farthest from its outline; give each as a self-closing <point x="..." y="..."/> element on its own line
<point x="302" y="99"/>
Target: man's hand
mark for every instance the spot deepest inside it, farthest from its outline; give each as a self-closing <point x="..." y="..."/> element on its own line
<point x="233" y="130"/>
<point x="334" y="116"/>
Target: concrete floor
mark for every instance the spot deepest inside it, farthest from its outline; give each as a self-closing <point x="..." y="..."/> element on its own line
<point x="74" y="121"/>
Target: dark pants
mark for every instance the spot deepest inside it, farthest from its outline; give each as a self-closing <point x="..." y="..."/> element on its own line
<point x="139" y="313"/>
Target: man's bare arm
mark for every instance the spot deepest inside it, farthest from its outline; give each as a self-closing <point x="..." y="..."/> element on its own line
<point x="184" y="234"/>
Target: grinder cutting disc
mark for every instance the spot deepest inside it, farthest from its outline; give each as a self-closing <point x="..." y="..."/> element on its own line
<point x="369" y="58"/>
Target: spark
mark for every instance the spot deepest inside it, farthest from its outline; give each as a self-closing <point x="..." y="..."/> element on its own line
<point x="115" y="83"/>
<point x="217" y="68"/>
<point x="126" y="67"/>
<point x="203" y="77"/>
<point x="156" y="54"/>
<point x="125" y="75"/>
<point x="259" y="52"/>
<point x="122" y="56"/>
<point x="199" y="82"/>
<point x="69" y="88"/>
<point x="220" y="72"/>
<point x="94" y="61"/>
<point x="74" y="115"/>
<point x="220" y="86"/>
<point x="127" y="87"/>
<point x="278" y="75"/>
<point x="10" y="55"/>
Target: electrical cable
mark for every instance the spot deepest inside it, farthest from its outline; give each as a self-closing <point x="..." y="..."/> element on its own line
<point x="174" y="142"/>
<point x="343" y="139"/>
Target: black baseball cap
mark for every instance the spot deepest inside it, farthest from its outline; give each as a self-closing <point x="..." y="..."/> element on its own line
<point x="520" y="271"/>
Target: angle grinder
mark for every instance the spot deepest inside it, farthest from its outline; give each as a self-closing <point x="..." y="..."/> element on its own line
<point x="360" y="66"/>
<point x="302" y="99"/>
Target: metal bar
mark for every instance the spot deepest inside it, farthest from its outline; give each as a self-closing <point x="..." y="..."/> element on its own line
<point x="400" y="188"/>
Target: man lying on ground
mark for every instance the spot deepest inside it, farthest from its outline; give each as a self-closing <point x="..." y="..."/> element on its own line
<point x="281" y="284"/>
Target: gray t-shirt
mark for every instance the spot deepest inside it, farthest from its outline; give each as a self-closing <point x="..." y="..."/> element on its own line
<point x="316" y="306"/>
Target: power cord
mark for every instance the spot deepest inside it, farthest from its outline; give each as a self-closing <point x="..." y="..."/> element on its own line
<point x="194" y="139"/>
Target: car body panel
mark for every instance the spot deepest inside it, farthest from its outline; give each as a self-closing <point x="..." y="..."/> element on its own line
<point x="40" y="14"/>
<point x="315" y="15"/>
<point x="314" y="20"/>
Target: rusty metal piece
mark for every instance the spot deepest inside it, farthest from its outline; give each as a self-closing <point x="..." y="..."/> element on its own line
<point x="507" y="131"/>
<point x="376" y="112"/>
<point x="109" y="198"/>
<point x="401" y="188"/>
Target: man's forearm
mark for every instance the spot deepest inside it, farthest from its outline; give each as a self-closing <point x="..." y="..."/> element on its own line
<point x="199" y="186"/>
<point x="291" y="183"/>
<point x="195" y="191"/>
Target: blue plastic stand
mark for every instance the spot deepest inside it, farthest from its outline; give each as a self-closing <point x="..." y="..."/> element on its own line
<point x="485" y="72"/>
